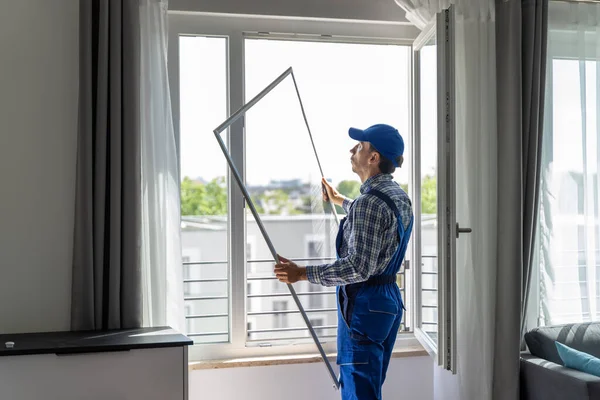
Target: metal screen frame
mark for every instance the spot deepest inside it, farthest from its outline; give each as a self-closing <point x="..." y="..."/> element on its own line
<point x="238" y="178"/>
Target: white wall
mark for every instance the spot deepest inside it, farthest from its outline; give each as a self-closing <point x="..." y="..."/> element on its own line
<point x="38" y="126"/>
<point x="372" y="10"/>
<point x="408" y="378"/>
<point x="445" y="385"/>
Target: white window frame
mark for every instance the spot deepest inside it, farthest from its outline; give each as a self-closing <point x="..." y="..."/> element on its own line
<point x="237" y="28"/>
<point x="442" y="28"/>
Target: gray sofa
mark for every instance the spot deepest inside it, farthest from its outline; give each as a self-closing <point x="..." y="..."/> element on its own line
<point x="543" y="376"/>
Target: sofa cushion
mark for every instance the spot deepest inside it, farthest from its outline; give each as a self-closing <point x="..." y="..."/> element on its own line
<point x="583" y="337"/>
<point x="578" y="360"/>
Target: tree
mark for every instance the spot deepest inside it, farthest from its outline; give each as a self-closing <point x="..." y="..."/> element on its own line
<point x="429" y="195"/>
<point x="350" y="189"/>
<point x="203" y="199"/>
<point x="216" y="197"/>
<point x="276" y="202"/>
<point x="257" y="205"/>
<point x="192" y="194"/>
<point x="207" y="199"/>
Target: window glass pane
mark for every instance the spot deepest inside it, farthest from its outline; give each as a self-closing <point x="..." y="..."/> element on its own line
<point x="283" y="177"/>
<point x="203" y="106"/>
<point x="341" y="85"/>
<point x="567" y="245"/>
<point x="429" y="137"/>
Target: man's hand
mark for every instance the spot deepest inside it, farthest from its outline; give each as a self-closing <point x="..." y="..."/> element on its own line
<point x="287" y="271"/>
<point x="330" y="193"/>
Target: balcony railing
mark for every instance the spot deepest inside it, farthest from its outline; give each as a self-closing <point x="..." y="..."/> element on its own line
<point x="268" y="328"/>
<point x="429" y="267"/>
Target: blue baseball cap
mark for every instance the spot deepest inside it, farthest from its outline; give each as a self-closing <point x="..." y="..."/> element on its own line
<point x="384" y="138"/>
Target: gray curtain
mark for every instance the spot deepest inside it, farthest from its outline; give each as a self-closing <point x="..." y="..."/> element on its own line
<point x="521" y="40"/>
<point x="106" y="282"/>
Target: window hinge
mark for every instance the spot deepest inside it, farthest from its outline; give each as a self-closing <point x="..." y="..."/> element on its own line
<point x="406" y="264"/>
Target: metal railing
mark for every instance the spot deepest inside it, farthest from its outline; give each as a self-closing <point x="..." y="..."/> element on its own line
<point x="428" y="325"/>
<point x="269" y="332"/>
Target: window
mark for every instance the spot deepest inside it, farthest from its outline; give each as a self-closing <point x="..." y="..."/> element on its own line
<point x="428" y="227"/>
<point x="283" y="193"/>
<point x="433" y="180"/>
<point x="280" y="318"/>
<point x="345" y="80"/>
<point x="187" y="283"/>
<point x="567" y="252"/>
<point x="249" y="252"/>
<point x="316" y="322"/>
<point x="314" y="251"/>
<point x="188" y="322"/>
<point x="203" y="93"/>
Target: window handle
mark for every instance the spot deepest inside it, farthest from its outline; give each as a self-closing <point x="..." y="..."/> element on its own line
<point x="460" y="230"/>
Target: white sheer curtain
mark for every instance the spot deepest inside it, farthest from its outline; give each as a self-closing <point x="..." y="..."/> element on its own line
<point x="476" y="200"/>
<point x="161" y="246"/>
<point x="568" y="247"/>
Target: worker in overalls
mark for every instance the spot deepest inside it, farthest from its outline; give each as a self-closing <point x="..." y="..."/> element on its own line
<point x="371" y="244"/>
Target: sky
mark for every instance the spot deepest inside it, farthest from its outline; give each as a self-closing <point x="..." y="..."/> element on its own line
<point x="342" y="86"/>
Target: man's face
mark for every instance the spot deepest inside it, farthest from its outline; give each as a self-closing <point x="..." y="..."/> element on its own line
<point x="361" y="153"/>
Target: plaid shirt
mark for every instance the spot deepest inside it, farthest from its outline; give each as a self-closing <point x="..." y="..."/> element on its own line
<point x="370" y="235"/>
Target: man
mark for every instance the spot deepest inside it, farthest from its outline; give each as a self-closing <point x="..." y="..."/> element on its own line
<point x="371" y="244"/>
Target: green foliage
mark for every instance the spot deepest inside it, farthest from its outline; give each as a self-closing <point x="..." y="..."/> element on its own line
<point x="276" y="202"/>
<point x="198" y="199"/>
<point x="216" y="196"/>
<point x="203" y="199"/>
<point x="429" y="195"/>
<point x="256" y="202"/>
<point x="350" y="189"/>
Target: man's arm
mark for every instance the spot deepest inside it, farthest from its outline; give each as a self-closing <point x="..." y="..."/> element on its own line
<point x="346" y="204"/>
<point x="287" y="271"/>
<point x="336" y="197"/>
<point x="365" y="221"/>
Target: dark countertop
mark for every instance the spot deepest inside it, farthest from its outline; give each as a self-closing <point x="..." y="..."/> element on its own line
<point x="62" y="343"/>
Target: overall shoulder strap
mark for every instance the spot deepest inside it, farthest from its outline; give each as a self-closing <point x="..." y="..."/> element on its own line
<point x="387" y="200"/>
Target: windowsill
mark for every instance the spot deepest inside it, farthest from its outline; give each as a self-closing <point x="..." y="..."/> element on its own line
<point x="409" y="351"/>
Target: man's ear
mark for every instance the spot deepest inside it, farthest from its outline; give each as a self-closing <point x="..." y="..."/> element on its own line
<point x="400" y="161"/>
<point x="375" y="158"/>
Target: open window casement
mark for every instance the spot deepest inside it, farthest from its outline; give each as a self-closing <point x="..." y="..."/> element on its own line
<point x="433" y="169"/>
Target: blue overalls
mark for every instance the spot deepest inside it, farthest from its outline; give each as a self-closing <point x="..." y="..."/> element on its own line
<point x="369" y="316"/>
